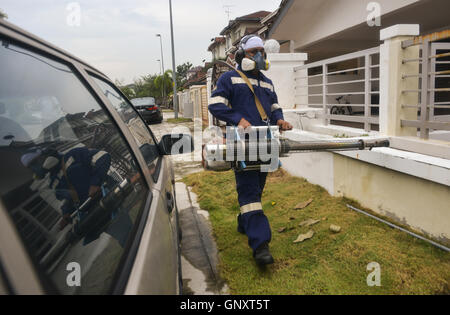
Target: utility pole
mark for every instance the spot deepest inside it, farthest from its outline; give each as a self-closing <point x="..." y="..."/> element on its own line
<point x="163" y="71"/>
<point x="159" y="62"/>
<point x="162" y="88"/>
<point x="174" y="73"/>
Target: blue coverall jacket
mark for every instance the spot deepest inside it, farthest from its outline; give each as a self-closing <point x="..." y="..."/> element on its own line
<point x="233" y="99"/>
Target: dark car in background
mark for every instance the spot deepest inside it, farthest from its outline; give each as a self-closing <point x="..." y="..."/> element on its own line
<point x="148" y="109"/>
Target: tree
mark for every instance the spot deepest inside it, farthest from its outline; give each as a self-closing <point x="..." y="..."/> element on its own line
<point x="182" y="74"/>
<point x="3" y="15"/>
<point x="126" y="89"/>
<point x="168" y="83"/>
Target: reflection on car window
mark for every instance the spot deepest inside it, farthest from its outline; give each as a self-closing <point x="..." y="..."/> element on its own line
<point x="136" y="125"/>
<point x="145" y="101"/>
<point x="68" y="180"/>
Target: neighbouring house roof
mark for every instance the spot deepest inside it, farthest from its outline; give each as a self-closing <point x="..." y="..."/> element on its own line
<point x="198" y="77"/>
<point x="253" y="17"/>
<point x="267" y="23"/>
<point x="195" y="69"/>
<point x="274" y="20"/>
<point x="216" y="42"/>
<point x="248" y="31"/>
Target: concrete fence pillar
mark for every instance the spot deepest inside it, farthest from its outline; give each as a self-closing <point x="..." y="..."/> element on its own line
<point x="392" y="82"/>
<point x="208" y="94"/>
<point x="282" y="74"/>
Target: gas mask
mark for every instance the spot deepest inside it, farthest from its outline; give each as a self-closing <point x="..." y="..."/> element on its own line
<point x="258" y="62"/>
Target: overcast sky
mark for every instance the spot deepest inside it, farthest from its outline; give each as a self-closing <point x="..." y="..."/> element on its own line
<point x="118" y="37"/>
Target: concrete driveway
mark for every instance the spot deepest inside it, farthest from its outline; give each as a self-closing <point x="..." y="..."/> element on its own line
<point x="198" y="247"/>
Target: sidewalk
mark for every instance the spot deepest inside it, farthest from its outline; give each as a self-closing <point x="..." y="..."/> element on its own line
<point x="198" y="248"/>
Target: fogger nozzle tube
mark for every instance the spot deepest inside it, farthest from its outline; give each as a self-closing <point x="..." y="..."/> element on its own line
<point x="264" y="150"/>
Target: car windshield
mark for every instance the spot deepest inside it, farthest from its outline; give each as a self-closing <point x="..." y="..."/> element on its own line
<point x="143" y="101"/>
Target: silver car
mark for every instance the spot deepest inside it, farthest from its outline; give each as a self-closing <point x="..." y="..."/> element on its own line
<point x="87" y="199"/>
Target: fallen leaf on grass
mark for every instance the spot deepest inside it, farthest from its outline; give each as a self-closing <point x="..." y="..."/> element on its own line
<point x="303" y="205"/>
<point x="304" y="237"/>
<point x="309" y="222"/>
<point x="285" y="229"/>
<point x="335" y="228"/>
<point x="274" y="203"/>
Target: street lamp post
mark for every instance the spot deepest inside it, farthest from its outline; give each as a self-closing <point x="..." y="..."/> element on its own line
<point x="162" y="88"/>
<point x="162" y="65"/>
<point x="160" y="69"/>
<point x="174" y="73"/>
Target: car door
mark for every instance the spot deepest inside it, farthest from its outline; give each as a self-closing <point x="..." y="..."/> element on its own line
<point x="160" y="246"/>
<point x="71" y="184"/>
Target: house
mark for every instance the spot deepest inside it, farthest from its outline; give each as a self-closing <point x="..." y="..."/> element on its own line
<point x="240" y="27"/>
<point x="218" y="49"/>
<point x="193" y="72"/>
<point x="371" y="70"/>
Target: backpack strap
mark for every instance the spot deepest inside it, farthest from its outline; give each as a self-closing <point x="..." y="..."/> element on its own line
<point x="259" y="106"/>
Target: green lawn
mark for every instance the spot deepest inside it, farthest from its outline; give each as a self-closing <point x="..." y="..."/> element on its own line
<point x="326" y="264"/>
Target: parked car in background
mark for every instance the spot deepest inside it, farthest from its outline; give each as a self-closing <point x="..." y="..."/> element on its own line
<point x="148" y="109"/>
<point x="87" y="193"/>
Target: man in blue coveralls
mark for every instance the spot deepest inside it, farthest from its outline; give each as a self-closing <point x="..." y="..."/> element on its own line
<point x="75" y="176"/>
<point x="234" y="103"/>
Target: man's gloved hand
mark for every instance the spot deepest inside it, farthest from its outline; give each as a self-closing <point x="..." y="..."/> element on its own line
<point x="244" y="124"/>
<point x="93" y="191"/>
<point x="65" y="221"/>
<point x="284" y="125"/>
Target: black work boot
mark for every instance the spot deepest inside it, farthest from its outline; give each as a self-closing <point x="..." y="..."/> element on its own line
<point x="262" y="255"/>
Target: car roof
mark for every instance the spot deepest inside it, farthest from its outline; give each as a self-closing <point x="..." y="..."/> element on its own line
<point x="16" y="33"/>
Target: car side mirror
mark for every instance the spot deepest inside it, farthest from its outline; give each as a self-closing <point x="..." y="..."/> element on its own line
<point x="176" y="144"/>
<point x="149" y="152"/>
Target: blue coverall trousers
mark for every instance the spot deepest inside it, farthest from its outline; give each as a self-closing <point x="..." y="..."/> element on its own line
<point x="252" y="221"/>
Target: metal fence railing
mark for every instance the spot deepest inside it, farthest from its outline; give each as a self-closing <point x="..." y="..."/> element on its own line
<point x="346" y="88"/>
<point x="433" y="101"/>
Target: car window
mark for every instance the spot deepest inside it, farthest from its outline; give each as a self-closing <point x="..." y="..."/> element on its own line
<point x="128" y="114"/>
<point x="68" y="178"/>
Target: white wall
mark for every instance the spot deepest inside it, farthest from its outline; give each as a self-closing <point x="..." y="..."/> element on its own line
<point x="282" y="74"/>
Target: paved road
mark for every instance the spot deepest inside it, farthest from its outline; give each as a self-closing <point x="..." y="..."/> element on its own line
<point x="198" y="247"/>
<point x="184" y="164"/>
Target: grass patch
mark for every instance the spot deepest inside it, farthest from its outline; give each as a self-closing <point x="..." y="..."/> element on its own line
<point x="179" y="120"/>
<point x="328" y="263"/>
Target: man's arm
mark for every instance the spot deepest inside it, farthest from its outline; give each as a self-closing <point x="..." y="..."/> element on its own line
<point x="99" y="162"/>
<point x="219" y="103"/>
